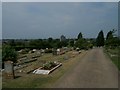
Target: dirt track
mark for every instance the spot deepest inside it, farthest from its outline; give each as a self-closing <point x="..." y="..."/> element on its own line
<point x="95" y="70"/>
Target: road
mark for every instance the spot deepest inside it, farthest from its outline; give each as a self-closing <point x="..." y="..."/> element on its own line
<point x="94" y="70"/>
<point x="0" y="80"/>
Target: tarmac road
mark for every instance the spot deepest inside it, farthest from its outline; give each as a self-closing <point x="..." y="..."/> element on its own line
<point x="94" y="70"/>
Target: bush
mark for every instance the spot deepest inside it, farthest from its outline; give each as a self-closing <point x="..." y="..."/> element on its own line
<point x="49" y="65"/>
<point x="9" y="53"/>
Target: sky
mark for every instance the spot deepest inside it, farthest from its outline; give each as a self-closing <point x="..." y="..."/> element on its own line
<point x="60" y="0"/>
<point x="0" y="20"/>
<point x="34" y="20"/>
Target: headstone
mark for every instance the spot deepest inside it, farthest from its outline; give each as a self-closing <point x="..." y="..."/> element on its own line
<point x="58" y="51"/>
<point x="65" y="57"/>
<point x="34" y="50"/>
<point x="42" y="51"/>
<point x="77" y="49"/>
<point x="54" y="52"/>
<point x="9" y="70"/>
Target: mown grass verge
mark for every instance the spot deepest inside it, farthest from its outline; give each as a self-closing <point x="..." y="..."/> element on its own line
<point x="113" y="54"/>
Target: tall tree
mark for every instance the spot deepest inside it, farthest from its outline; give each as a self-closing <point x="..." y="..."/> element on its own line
<point x="109" y="35"/>
<point x="8" y="53"/>
<point x="111" y="39"/>
<point x="80" y="35"/>
<point x="100" y="39"/>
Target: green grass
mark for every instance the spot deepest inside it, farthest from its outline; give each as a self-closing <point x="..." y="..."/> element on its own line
<point x="116" y="58"/>
<point x="0" y="54"/>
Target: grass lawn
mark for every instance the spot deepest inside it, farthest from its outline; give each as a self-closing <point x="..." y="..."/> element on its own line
<point x="114" y="56"/>
<point x="44" y="81"/>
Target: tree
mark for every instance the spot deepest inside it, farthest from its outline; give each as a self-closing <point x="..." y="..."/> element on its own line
<point x="100" y="39"/>
<point x="109" y="35"/>
<point x="12" y="42"/>
<point x="81" y="43"/>
<point x="50" y="39"/>
<point x="71" y="43"/>
<point x="111" y="40"/>
<point x="9" y="53"/>
<point x="80" y="35"/>
<point x="62" y="44"/>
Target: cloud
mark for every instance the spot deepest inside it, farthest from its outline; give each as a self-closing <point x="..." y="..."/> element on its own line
<point x="42" y="20"/>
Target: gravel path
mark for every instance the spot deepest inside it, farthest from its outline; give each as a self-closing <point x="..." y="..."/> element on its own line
<point x="94" y="70"/>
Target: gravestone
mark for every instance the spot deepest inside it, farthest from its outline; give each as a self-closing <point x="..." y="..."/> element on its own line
<point x="66" y="57"/>
<point x="58" y="51"/>
<point x="54" y="52"/>
<point x="9" y="70"/>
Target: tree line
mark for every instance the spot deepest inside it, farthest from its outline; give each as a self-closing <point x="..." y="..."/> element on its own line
<point x="10" y="47"/>
<point x="111" y="40"/>
<point x="80" y="42"/>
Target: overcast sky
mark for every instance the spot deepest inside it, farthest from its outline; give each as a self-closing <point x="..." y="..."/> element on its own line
<point x="43" y="20"/>
<point x="0" y="20"/>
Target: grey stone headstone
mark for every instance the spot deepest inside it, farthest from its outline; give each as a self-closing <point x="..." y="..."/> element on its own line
<point x="54" y="52"/>
<point x="65" y="57"/>
<point x="9" y="69"/>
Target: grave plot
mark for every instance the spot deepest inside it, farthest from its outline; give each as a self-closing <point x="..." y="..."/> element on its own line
<point x="26" y="60"/>
<point x="47" y="68"/>
<point x="27" y="70"/>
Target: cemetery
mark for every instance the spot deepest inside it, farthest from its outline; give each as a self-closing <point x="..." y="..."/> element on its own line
<point x="39" y="62"/>
<point x="39" y="70"/>
<point x="41" y="66"/>
<point x="59" y="45"/>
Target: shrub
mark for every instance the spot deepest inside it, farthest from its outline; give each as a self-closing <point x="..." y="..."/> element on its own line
<point x="9" y="53"/>
<point x="49" y="65"/>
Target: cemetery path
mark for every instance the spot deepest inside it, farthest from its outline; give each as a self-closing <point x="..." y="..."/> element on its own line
<point x="0" y="80"/>
<point x="95" y="70"/>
